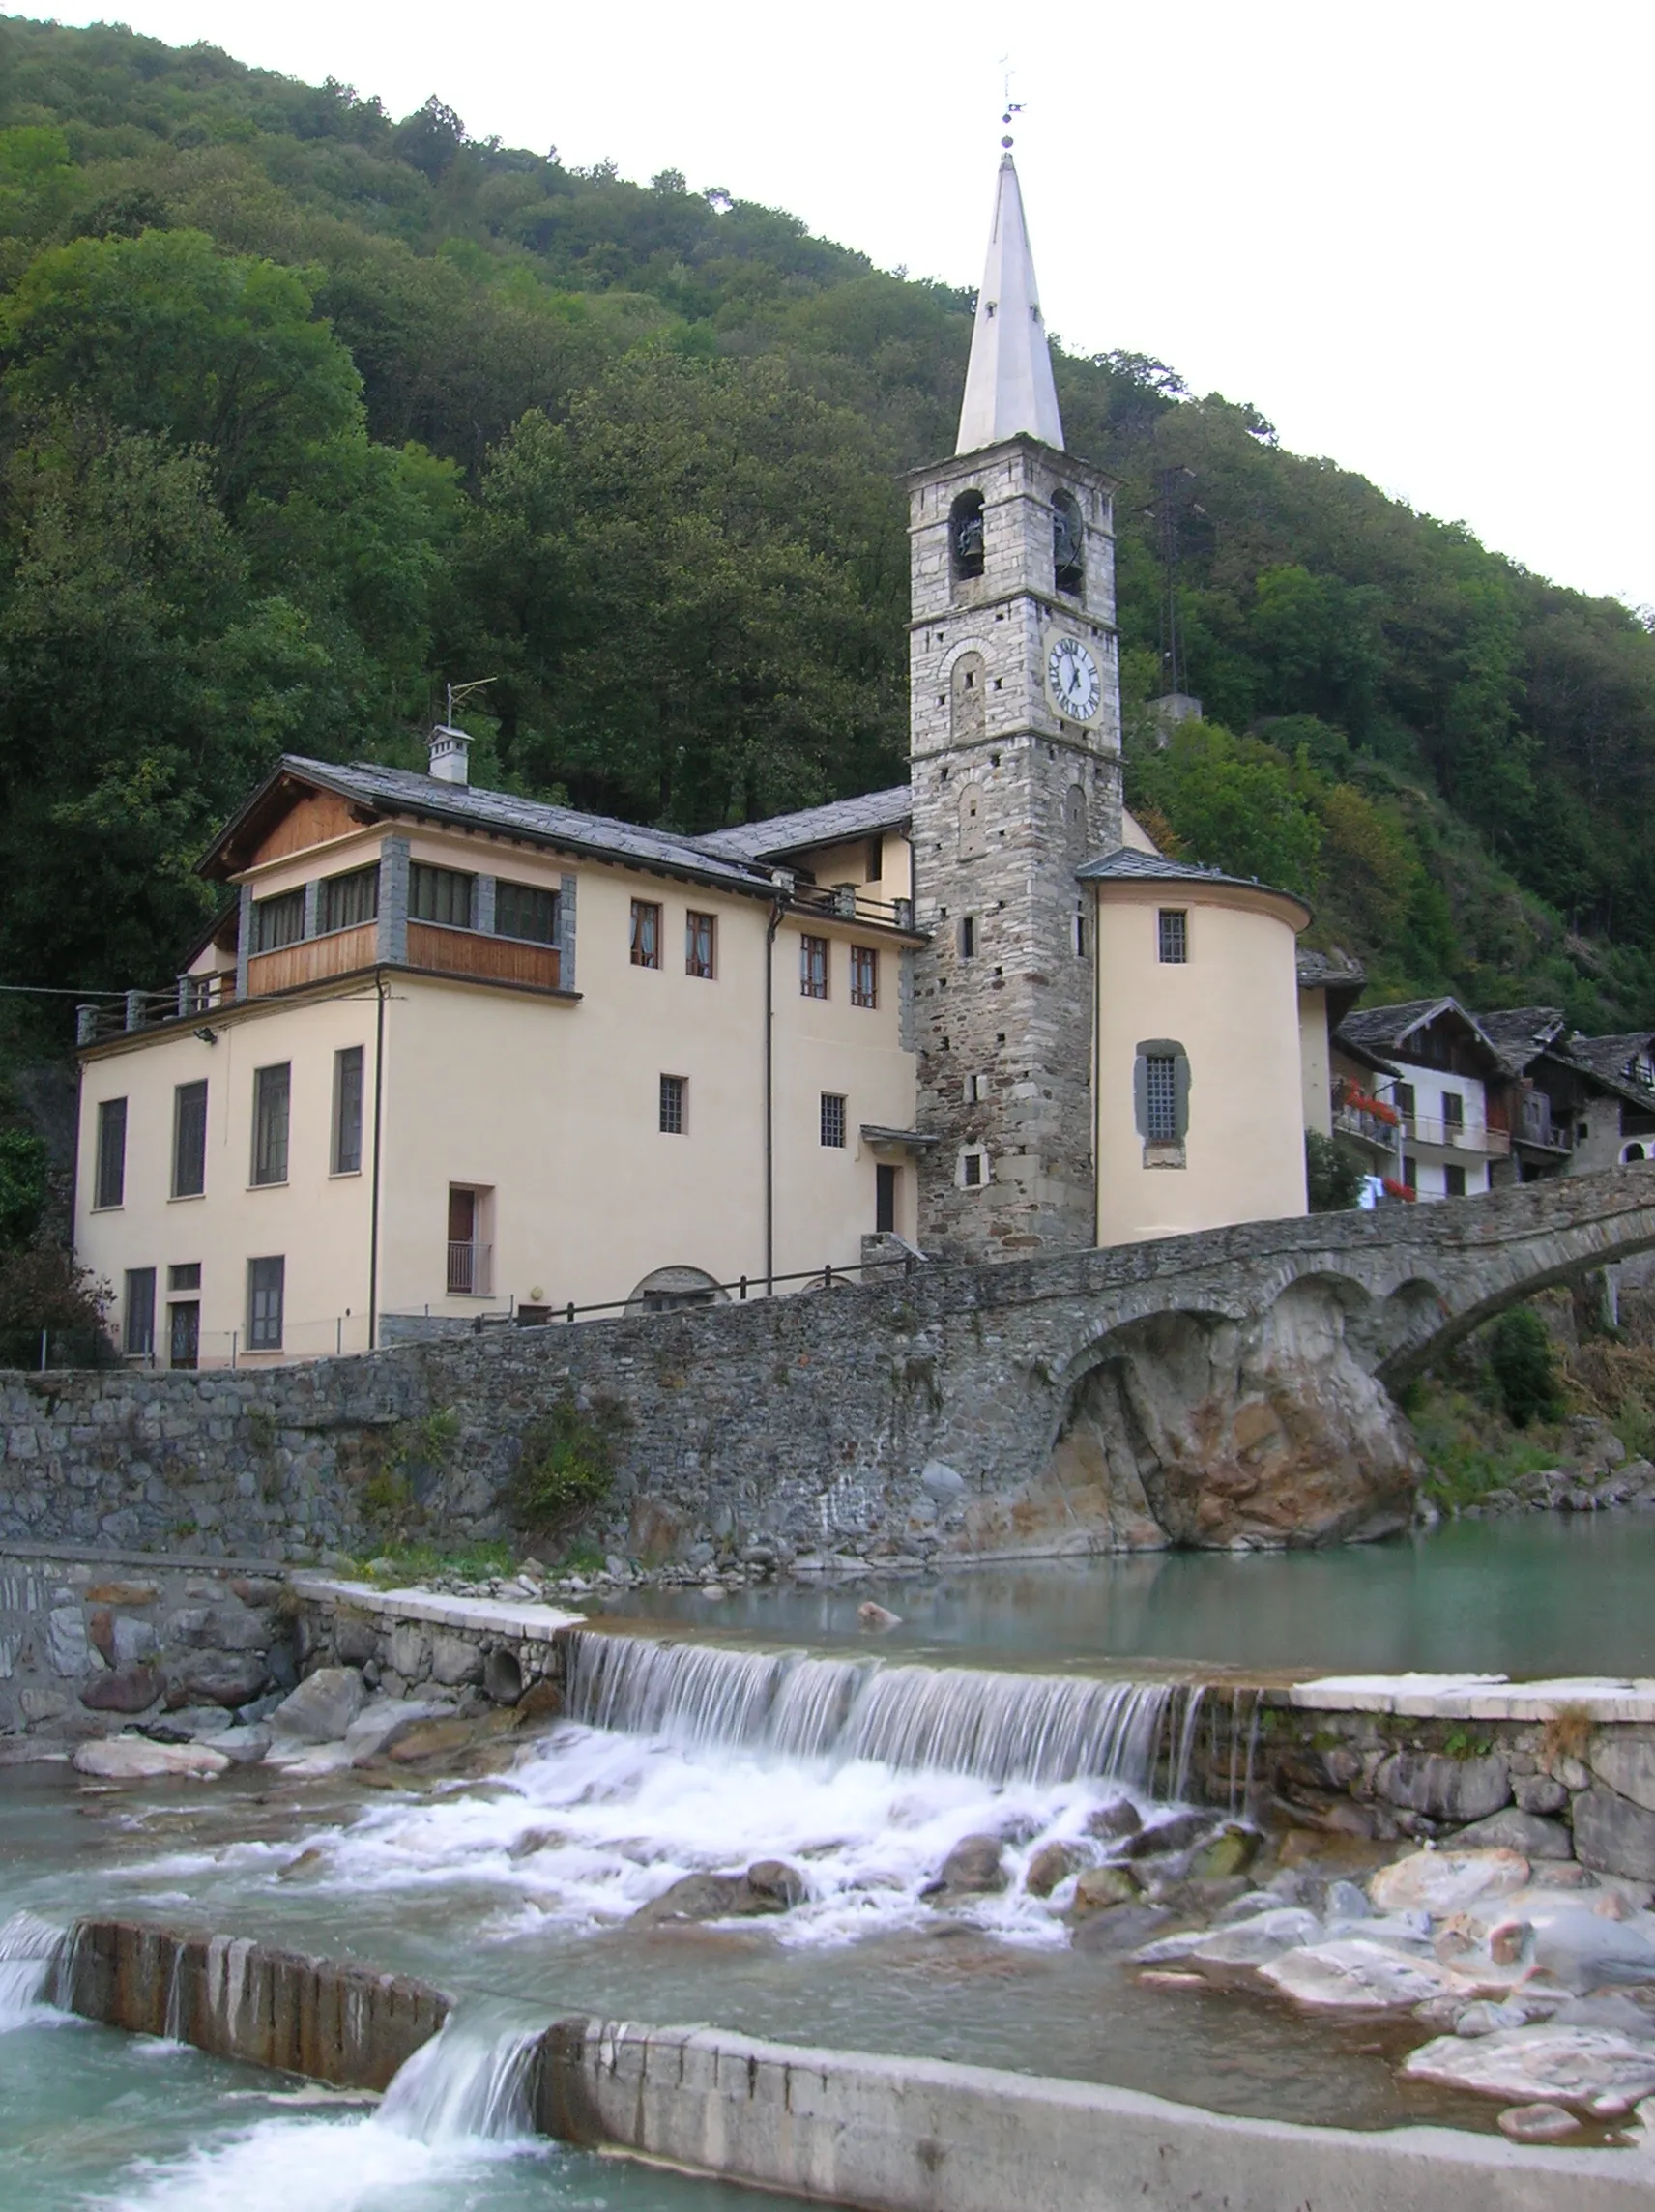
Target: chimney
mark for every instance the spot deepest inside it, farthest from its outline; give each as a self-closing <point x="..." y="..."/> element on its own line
<point x="450" y="751"/>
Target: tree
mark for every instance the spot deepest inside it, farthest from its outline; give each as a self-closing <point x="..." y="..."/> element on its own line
<point x="1333" y="1173"/>
<point x="1523" y="1366"/>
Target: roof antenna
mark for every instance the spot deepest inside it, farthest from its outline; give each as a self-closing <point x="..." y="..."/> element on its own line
<point x="451" y="748"/>
<point x="456" y="691"/>
<point x="1013" y="106"/>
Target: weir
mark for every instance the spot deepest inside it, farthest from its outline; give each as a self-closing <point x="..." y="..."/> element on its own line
<point x="995" y="1727"/>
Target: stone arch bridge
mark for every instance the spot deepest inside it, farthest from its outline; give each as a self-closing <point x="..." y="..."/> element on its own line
<point x="1231" y="1388"/>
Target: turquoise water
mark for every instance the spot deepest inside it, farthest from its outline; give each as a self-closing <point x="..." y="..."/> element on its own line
<point x="1530" y="1594"/>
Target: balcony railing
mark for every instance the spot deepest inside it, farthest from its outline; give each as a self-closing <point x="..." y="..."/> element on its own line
<point x="192" y="997"/>
<point x="1456" y="1136"/>
<point x="470" y="1270"/>
<point x="845" y="902"/>
<point x="1535" y="1126"/>
<point x="1367" y="1128"/>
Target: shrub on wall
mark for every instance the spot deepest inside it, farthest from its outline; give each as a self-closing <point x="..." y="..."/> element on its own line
<point x="1522" y="1364"/>
<point x="566" y="1466"/>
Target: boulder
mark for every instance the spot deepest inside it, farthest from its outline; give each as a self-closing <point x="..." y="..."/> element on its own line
<point x="1052" y="1865"/>
<point x="777" y="1885"/>
<point x="241" y="1746"/>
<point x="1178" y="1832"/>
<point x="1118" y="1819"/>
<point x="1355" y="1974"/>
<point x="1586" y="1950"/>
<point x="221" y="1678"/>
<point x="377" y="1727"/>
<point x="131" y="1642"/>
<point x="438" y="1738"/>
<point x="541" y="1701"/>
<point x="1447" y="1880"/>
<point x="356" y="1638"/>
<point x="408" y="1652"/>
<point x="1237" y="1951"/>
<point x="1615" y="1835"/>
<point x="1589" y="2069"/>
<point x="455" y="1660"/>
<point x="1537" y="2124"/>
<point x="976" y="1865"/>
<point x="1231" y="1852"/>
<point x="1538" y="1793"/>
<point x="135" y="1758"/>
<point x="1101" y="1888"/>
<point x="1626" y="1764"/>
<point x="1514" y="1831"/>
<point x="878" y="1617"/>
<point x="1441" y="1788"/>
<point x="726" y="1896"/>
<point x="322" y="1708"/>
<point x="132" y="1690"/>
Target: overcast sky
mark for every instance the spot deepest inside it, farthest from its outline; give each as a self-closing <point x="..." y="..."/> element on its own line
<point x="1414" y="235"/>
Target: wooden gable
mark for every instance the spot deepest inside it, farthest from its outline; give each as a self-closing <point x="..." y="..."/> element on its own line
<point x="288" y="816"/>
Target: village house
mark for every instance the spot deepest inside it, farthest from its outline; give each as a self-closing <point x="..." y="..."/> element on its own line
<point x="452" y="1055"/>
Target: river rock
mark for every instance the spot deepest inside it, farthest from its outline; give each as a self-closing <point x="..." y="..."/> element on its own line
<point x="135" y="1758"/>
<point x="132" y="1690"/>
<point x="356" y="1638"/>
<point x="1237" y="1951"/>
<point x="455" y="1660"/>
<point x="1626" y="1764"/>
<point x="1231" y="1851"/>
<point x="1514" y="1831"/>
<point x="1355" y="1974"/>
<point x="1178" y="1832"/>
<point x="69" y="1647"/>
<point x="877" y="1616"/>
<point x="322" y="1708"/>
<point x="1101" y="1888"/>
<point x="976" y="1865"/>
<point x="241" y="1746"/>
<point x="1590" y="2069"/>
<point x="541" y="1701"/>
<point x="1052" y="1865"/>
<point x="712" y="1897"/>
<point x="1110" y="1822"/>
<point x="1586" y="1950"/>
<point x="1538" y="1793"/>
<point x="1447" y="1880"/>
<point x="1443" y="1789"/>
<point x="1537" y="2124"/>
<point x="378" y="1727"/>
<point x="434" y="1738"/>
<point x="219" y="1678"/>
<point x="776" y="1886"/>
<point x="1615" y="1835"/>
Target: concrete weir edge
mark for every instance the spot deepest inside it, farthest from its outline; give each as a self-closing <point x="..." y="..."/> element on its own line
<point x="843" y="2127"/>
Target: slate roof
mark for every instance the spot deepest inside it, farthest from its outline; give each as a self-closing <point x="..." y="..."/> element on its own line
<point x="842" y="818"/>
<point x="1329" y="971"/>
<point x="1608" y="1056"/>
<point x="1124" y="865"/>
<point x="1522" y="1034"/>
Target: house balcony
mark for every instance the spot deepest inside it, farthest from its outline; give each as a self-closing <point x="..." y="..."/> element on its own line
<point x="1456" y="1136"/>
<point x="1367" y="1128"/>
<point x="844" y="902"/>
<point x="1535" y="1126"/>
<point x="439" y="950"/>
<point x="470" y="1270"/>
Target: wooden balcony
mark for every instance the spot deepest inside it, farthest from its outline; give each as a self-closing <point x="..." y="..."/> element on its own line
<point x="313" y="959"/>
<point x="442" y="952"/>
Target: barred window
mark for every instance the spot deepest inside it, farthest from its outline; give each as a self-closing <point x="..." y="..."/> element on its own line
<point x="111" y="1180"/>
<point x="1161" y="1098"/>
<point x="346" y="901"/>
<point x="1174" y="936"/>
<point x="190" y="1140"/>
<point x="698" y="943"/>
<point x="864" y="976"/>
<point x="278" y="921"/>
<point x="834" y="1119"/>
<point x="675" y="1105"/>
<point x="646" y="934"/>
<point x="443" y="895"/>
<point x="272" y="1096"/>
<point x="525" y="911"/>
<point x="813" y="967"/>
<point x="267" y="1285"/>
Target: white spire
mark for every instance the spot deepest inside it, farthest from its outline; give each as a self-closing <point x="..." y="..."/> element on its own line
<point x="1008" y="384"/>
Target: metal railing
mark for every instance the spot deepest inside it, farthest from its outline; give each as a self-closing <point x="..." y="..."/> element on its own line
<point x="191" y="998"/>
<point x="1354" y="1122"/>
<point x="845" y="902"/>
<point x="470" y="1270"/>
<point x="744" y="1288"/>
<point x="1458" y="1136"/>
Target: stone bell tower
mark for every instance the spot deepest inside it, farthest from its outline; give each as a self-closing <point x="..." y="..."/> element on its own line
<point x="1015" y="753"/>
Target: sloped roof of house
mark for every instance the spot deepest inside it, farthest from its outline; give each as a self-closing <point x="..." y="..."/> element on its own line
<point x="1522" y="1032"/>
<point x="842" y="818"/>
<point x="1610" y="1057"/>
<point x="1127" y="865"/>
<point x="1329" y="971"/>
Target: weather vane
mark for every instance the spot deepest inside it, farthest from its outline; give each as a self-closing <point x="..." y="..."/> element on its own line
<point x="1013" y="106"/>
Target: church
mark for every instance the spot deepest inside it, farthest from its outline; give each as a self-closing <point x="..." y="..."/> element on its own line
<point x="454" y="1055"/>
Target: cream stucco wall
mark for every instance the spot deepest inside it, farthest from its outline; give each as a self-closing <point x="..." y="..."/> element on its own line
<point x="1233" y="1008"/>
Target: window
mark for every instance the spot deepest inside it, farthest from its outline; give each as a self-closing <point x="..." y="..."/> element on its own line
<point x="968" y="937"/>
<point x="190" y="1140"/>
<point x="972" y="1170"/>
<point x="973" y="837"/>
<point x="278" y="921"/>
<point x="272" y="1096"/>
<point x="646" y="934"/>
<point x="344" y="902"/>
<point x="111" y="1180"/>
<point x="1455" y="1179"/>
<point x="1410" y="1172"/>
<point x="471" y="1256"/>
<point x="442" y="895"/>
<point x="1079" y="933"/>
<point x="864" y="976"/>
<point x="834" y="1119"/>
<point x="975" y="1090"/>
<point x="1453" y="1110"/>
<point x="139" y="1334"/>
<point x="1161" y="1098"/>
<point x="1402" y="1098"/>
<point x="1069" y="546"/>
<point x="675" y="1104"/>
<point x="1174" y="936"/>
<point x="813" y="967"/>
<point x="698" y="941"/>
<point x="523" y="910"/>
<point x="884" y="1200"/>
<point x="184" y="1277"/>
<point x="347" y="1111"/>
<point x="267" y="1283"/>
<point x="966" y="535"/>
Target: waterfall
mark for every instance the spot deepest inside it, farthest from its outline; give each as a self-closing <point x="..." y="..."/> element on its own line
<point x="30" y="1950"/>
<point x="470" y="2083"/>
<point x="998" y="1727"/>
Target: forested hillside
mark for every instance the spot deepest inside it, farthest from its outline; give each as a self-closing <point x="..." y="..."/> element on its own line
<point x="307" y="410"/>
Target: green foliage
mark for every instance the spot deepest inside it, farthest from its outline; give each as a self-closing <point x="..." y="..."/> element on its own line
<point x="403" y="1561"/>
<point x="1333" y="1173"/>
<point x="565" y="1466"/>
<point x="41" y="1288"/>
<point x="307" y="408"/>
<point x="1467" y="1450"/>
<point x="1523" y="1368"/>
<point x="24" y="1186"/>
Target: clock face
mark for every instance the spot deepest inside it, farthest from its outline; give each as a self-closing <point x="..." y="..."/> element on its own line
<point x="1071" y="672"/>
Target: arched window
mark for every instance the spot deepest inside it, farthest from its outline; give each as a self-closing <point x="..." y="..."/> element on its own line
<point x="1075" y="819"/>
<point x="668" y="1288"/>
<point x="966" y="535"/>
<point x="965" y="690"/>
<point x="1632" y="1152"/>
<point x="1069" y="546"/>
<point x="973" y="837"/>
